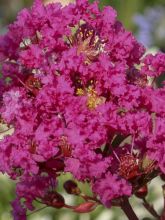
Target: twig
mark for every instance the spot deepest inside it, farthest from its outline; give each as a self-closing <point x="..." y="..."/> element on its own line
<point x="37" y="210"/>
<point x="163" y="212"/>
<point x="127" y="209"/>
<point x="150" y="209"/>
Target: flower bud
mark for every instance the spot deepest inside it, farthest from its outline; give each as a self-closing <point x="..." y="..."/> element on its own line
<point x="71" y="187"/>
<point x="54" y="199"/>
<point x="142" y="192"/>
<point x="56" y="164"/>
<point x="85" y="207"/>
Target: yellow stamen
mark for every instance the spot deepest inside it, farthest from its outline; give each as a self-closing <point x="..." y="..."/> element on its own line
<point x="80" y="92"/>
<point x="93" y="99"/>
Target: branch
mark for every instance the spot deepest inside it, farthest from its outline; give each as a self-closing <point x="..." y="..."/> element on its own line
<point x="150" y="209"/>
<point x="163" y="212"/>
<point x="127" y="209"/>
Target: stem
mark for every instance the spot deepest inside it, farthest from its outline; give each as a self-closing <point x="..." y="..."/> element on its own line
<point x="86" y="198"/>
<point x="127" y="209"/>
<point x="115" y="154"/>
<point x="133" y="142"/>
<point x="163" y="212"/>
<point x="69" y="206"/>
<point x="150" y="209"/>
<point x="27" y="87"/>
<point x="37" y="210"/>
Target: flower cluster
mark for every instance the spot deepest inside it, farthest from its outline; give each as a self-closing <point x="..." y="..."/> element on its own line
<point x="80" y="96"/>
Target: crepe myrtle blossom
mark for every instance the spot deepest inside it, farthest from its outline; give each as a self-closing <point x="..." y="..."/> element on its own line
<point x="75" y="91"/>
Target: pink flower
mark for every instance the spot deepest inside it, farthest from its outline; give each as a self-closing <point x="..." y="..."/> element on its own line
<point x="111" y="187"/>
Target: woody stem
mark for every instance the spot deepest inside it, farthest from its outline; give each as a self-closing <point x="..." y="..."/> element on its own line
<point x="127" y="209"/>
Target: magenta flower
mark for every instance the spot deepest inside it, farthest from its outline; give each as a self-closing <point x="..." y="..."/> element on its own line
<point x="76" y="88"/>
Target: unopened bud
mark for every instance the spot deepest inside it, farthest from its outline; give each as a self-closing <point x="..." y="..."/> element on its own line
<point x="71" y="187"/>
<point x="56" y="164"/>
<point x="85" y="207"/>
<point x="142" y="192"/>
<point x="54" y="199"/>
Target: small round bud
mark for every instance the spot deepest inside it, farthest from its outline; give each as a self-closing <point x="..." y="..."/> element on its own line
<point x="71" y="187"/>
<point x="56" y="164"/>
<point x="142" y="192"/>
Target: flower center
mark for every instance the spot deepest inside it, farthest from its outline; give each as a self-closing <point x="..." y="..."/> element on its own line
<point x="88" y="42"/>
<point x="93" y="99"/>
